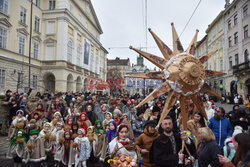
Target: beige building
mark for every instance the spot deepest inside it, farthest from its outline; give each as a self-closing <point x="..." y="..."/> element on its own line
<point x="65" y="45"/>
<point x="237" y="47"/>
<point x="201" y="48"/>
<point x="215" y="41"/>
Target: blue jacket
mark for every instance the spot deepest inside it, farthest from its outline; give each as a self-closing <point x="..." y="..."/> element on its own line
<point x="221" y="129"/>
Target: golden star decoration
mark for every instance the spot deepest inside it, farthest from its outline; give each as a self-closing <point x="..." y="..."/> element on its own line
<point x="182" y="74"/>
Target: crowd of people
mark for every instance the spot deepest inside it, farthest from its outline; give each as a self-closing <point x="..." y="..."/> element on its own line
<point x="69" y="129"/>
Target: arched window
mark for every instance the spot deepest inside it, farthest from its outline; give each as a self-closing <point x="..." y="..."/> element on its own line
<point x="78" y="56"/>
<point x="246" y="55"/>
<point x="69" y="51"/>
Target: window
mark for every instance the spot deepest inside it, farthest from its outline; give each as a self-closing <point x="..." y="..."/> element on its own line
<point x="230" y="62"/>
<point x="229" y="42"/>
<point x="246" y="31"/>
<point x="247" y="56"/>
<point x="21" y="48"/>
<point x="220" y="44"/>
<point x="23" y="14"/>
<point x="236" y="38"/>
<point x="235" y="19"/>
<point x="34" y="82"/>
<point x="69" y="51"/>
<point x="52" y="4"/>
<point x="229" y="24"/>
<point x="20" y="80"/>
<point x="36" y="50"/>
<point x="4" y="6"/>
<point x="2" y="78"/>
<point x="245" y="11"/>
<point x="80" y="18"/>
<point x="79" y="53"/>
<point x="3" y="37"/>
<point x="215" y="65"/>
<point x="38" y="3"/>
<point x="37" y="24"/>
<point x="221" y="65"/>
<point x="71" y="9"/>
<point x="236" y="58"/>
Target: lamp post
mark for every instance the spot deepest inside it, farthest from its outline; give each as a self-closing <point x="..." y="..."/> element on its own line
<point x="31" y="13"/>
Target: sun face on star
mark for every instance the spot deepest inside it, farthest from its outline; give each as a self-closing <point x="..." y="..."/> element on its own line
<point x="182" y="74"/>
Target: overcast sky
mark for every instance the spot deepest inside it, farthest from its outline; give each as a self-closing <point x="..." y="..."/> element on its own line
<point x="123" y="23"/>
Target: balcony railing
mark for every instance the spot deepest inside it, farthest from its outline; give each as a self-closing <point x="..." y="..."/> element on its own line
<point x="243" y="67"/>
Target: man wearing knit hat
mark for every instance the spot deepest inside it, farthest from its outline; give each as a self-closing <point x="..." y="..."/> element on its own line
<point x="145" y="140"/>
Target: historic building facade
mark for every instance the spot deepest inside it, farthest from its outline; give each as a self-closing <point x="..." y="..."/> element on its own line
<point x="65" y="45"/>
<point x="139" y="85"/>
<point x="215" y="41"/>
<point x="117" y="69"/>
<point x="237" y="47"/>
<point x="201" y="48"/>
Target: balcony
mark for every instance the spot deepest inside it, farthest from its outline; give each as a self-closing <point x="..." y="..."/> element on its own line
<point x="243" y="67"/>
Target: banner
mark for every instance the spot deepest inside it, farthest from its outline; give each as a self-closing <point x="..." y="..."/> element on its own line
<point x="140" y="83"/>
<point x="86" y="53"/>
<point x="115" y="83"/>
<point x="130" y="83"/>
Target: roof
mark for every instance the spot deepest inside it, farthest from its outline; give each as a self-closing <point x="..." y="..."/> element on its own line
<point x="118" y="62"/>
<point x="218" y="17"/>
<point x="201" y="41"/>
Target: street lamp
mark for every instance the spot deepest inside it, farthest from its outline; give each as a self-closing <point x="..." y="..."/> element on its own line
<point x="31" y="13"/>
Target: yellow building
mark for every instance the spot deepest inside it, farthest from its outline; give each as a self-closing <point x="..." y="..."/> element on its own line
<point x="215" y="41"/>
<point x="65" y="45"/>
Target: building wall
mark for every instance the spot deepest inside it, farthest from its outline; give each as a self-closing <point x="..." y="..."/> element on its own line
<point x="56" y="28"/>
<point x="236" y="8"/>
<point x="215" y="41"/>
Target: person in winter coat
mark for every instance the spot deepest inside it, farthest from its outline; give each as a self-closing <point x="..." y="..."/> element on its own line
<point x="241" y="119"/>
<point x="31" y="105"/>
<point x="138" y="124"/>
<point x="35" y="149"/>
<point x="17" y="146"/>
<point x="207" y="149"/>
<point x="220" y="126"/>
<point x="4" y="114"/>
<point x="231" y="114"/>
<point x="165" y="150"/>
<point x="102" y="112"/>
<point x="82" y="149"/>
<point x="68" y="98"/>
<point x="209" y="110"/>
<point x="13" y="107"/>
<point x="242" y="154"/>
<point x="65" y="152"/>
<point x="145" y="140"/>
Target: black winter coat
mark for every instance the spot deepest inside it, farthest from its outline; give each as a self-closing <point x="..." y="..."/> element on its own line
<point x="207" y="154"/>
<point x="161" y="152"/>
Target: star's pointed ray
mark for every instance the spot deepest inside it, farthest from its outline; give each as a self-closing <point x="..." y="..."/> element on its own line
<point x="150" y="75"/>
<point x="177" y="46"/>
<point x="204" y="58"/>
<point x="211" y="73"/>
<point x="158" y="61"/>
<point x="197" y="100"/>
<point x="171" y="99"/>
<point x="208" y="90"/>
<point x="157" y="92"/>
<point x="184" y="112"/>
<point x="165" y="50"/>
<point x="192" y="45"/>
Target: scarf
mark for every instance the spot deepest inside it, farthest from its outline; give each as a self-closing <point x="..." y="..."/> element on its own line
<point x="111" y="134"/>
<point x="97" y="129"/>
